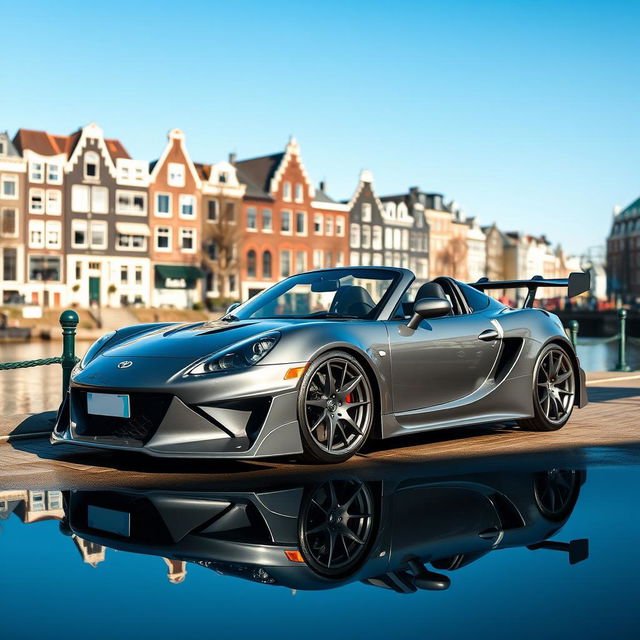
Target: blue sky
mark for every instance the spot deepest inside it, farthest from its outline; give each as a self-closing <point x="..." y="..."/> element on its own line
<point x="525" y="113"/>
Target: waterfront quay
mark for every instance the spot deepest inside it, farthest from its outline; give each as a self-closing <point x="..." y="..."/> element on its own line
<point x="609" y="423"/>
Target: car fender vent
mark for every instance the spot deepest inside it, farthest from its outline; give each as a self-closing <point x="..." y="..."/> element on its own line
<point x="511" y="348"/>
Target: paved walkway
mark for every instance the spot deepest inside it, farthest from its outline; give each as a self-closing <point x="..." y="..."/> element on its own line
<point x="611" y="421"/>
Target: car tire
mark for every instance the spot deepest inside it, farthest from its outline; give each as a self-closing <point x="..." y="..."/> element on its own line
<point x="335" y="408"/>
<point x="554" y="390"/>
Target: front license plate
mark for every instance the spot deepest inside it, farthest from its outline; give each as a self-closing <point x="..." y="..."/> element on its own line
<point x="118" y="522"/>
<point x="108" y="404"/>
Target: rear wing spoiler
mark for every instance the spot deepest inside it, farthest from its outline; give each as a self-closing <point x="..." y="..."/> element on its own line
<point x="578" y="282"/>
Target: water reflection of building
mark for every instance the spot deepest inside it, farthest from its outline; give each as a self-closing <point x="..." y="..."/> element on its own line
<point x="91" y="552"/>
<point x="176" y="570"/>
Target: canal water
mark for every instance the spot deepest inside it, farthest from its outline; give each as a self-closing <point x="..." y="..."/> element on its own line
<point x="532" y="548"/>
<point x="38" y="389"/>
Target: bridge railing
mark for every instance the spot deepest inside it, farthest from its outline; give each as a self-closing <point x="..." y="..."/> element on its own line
<point x="69" y="323"/>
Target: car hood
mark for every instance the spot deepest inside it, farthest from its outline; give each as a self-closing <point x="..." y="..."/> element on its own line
<point x="193" y="340"/>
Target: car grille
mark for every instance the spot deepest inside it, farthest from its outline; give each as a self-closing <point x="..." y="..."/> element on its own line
<point x="147" y="412"/>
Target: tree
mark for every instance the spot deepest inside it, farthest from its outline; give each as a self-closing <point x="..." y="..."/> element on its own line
<point x="220" y="242"/>
<point x="452" y="258"/>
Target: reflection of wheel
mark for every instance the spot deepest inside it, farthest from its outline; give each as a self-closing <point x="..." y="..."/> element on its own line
<point x="554" y="390"/>
<point x="556" y="492"/>
<point x="336" y="526"/>
<point x="335" y="408"/>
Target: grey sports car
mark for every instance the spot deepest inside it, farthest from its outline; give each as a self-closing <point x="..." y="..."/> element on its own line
<point x="322" y="361"/>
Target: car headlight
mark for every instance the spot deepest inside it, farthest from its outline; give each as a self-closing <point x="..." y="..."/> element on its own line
<point x="239" y="356"/>
<point x="93" y="350"/>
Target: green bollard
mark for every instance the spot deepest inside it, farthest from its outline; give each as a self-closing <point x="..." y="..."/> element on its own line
<point x="573" y="333"/>
<point x="68" y="321"/>
<point x="622" y="342"/>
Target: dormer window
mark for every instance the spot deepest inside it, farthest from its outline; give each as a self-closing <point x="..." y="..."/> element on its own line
<point x="91" y="165"/>
<point x="176" y="174"/>
<point x="286" y="192"/>
<point x="36" y="172"/>
<point x="298" y="193"/>
<point x="3" y="148"/>
<point x="223" y="177"/>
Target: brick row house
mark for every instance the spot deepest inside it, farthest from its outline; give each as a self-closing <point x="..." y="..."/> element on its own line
<point x="623" y="254"/>
<point x="286" y="224"/>
<point x="12" y="220"/>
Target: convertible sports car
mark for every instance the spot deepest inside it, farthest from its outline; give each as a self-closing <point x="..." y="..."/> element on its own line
<point x="398" y="531"/>
<point x="322" y="361"/>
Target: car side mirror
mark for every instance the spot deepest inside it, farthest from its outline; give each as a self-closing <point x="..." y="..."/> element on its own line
<point x="232" y="307"/>
<point x="428" y="308"/>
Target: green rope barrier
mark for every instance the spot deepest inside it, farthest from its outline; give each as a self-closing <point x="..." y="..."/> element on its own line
<point x="30" y="363"/>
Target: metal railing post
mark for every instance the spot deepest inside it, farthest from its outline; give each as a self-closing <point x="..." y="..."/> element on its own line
<point x="68" y="321"/>
<point x="622" y="341"/>
<point x="573" y="333"/>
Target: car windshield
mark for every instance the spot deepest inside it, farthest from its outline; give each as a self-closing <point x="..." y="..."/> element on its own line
<point x="335" y="293"/>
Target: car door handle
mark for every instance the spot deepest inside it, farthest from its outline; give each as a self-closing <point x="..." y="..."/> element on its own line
<point x="488" y="335"/>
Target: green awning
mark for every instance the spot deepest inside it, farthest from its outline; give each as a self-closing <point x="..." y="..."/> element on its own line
<point x="177" y="276"/>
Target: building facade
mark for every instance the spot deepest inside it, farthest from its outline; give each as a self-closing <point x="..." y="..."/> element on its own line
<point x="12" y="221"/>
<point x="623" y="254"/>
<point x="175" y="217"/>
<point x="286" y="224"/>
<point x="476" y="251"/>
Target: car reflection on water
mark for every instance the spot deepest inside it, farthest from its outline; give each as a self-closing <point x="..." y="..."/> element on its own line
<point x="401" y="533"/>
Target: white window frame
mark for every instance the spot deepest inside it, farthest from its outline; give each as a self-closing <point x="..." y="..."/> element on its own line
<point x="36" y="226"/>
<point x="304" y="223"/>
<point x="328" y="225"/>
<point x="169" y="235"/>
<point x="298" y="192"/>
<point x="318" y="257"/>
<point x="98" y="224"/>
<point x="82" y="225"/>
<point x="286" y="191"/>
<point x="176" y="174"/>
<point x="53" y="226"/>
<point x="34" y="191"/>
<point x="58" y="168"/>
<point x="16" y="218"/>
<point x="354" y="237"/>
<point x="303" y="267"/>
<point x="216" y="213"/>
<point x="184" y="232"/>
<point x="86" y="161"/>
<point x="33" y="172"/>
<point x="9" y="177"/>
<point x="253" y="228"/>
<point x="365" y="212"/>
<point x="340" y="226"/>
<point x="131" y="194"/>
<point x="265" y="228"/>
<point x="318" y="224"/>
<point x="53" y="205"/>
<point x="282" y="252"/>
<point x="155" y="205"/>
<point x="103" y="190"/>
<point x="77" y="189"/>
<point x="130" y="246"/>
<point x="188" y="216"/>
<point x="288" y="213"/>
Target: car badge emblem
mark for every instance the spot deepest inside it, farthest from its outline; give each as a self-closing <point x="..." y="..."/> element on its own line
<point x="125" y="364"/>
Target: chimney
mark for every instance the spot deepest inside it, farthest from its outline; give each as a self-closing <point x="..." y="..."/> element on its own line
<point x="322" y="185"/>
<point x="232" y="158"/>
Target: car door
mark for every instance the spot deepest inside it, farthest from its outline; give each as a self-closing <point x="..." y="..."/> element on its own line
<point x="443" y="360"/>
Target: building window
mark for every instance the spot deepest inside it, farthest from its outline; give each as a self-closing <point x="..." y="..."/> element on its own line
<point x="251" y="264"/>
<point x="188" y="240"/>
<point x="124" y="274"/>
<point x="223" y="177"/>
<point x="10" y="264"/>
<point x="266" y="265"/>
<point x="78" y="270"/>
<point x="267" y="220"/>
<point x="286" y="191"/>
<point x="9" y="223"/>
<point x="79" y="198"/>
<point x="54" y="174"/>
<point x="376" y="239"/>
<point x="138" y="275"/>
<point x="328" y="259"/>
<point x="339" y="259"/>
<point x="230" y="212"/>
<point x="317" y="258"/>
<point x="163" y="239"/>
<point x="285" y="264"/>
<point x="9" y="186"/>
<point x="99" y="200"/>
<point x="36" y="200"/>
<point x="328" y="223"/>
<point x="366" y="236"/>
<point x="44" y="268"/>
<point x="317" y="224"/>
<point x="36" y="172"/>
<point x="54" y="202"/>
<point x="36" y="234"/>
<point x="285" y="221"/>
<point x="355" y="236"/>
<point x="252" y="219"/>
<point x="212" y="210"/>
<point x="163" y="205"/>
<point x="366" y="212"/>
<point x="53" y="235"/>
<point x="301" y="261"/>
<point x="131" y="242"/>
<point x="131" y="202"/>
<point x="187" y="206"/>
<point x="299" y="193"/>
<point x="91" y="165"/>
<point x="340" y="226"/>
<point x="98" y="235"/>
<point x="176" y="174"/>
<point x="79" y="234"/>
<point x="301" y="223"/>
